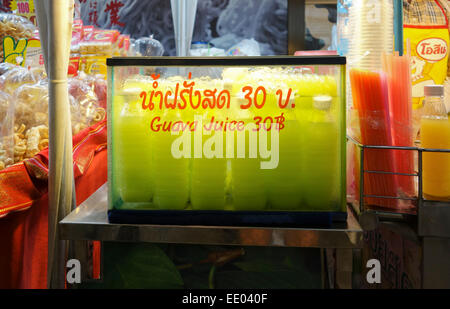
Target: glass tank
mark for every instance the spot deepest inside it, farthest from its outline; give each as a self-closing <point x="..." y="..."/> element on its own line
<point x="227" y="134"/>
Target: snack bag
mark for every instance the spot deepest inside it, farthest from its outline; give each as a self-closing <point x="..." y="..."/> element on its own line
<point x="95" y="49"/>
<point x="87" y="31"/>
<point x="425" y="26"/>
<point x="82" y="89"/>
<point x="126" y="46"/>
<point x="33" y="55"/>
<point x="15" y="31"/>
<point x="77" y="37"/>
<point x="17" y="76"/>
<point x="122" y="46"/>
<point x="6" y="130"/>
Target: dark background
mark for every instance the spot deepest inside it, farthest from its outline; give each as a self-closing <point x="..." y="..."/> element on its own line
<point x="263" y="20"/>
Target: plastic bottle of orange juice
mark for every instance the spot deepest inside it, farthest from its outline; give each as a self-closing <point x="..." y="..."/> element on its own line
<point x="435" y="134"/>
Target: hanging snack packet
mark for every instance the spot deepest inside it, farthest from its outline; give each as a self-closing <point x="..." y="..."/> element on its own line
<point x="15" y="31"/>
<point x="77" y="37"/>
<point x="426" y="29"/>
<point x="95" y="49"/>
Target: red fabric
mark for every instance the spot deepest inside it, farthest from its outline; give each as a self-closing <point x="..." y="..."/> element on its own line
<point x="17" y="189"/>
<point x="85" y="145"/>
<point x="23" y="241"/>
<point x="23" y="233"/>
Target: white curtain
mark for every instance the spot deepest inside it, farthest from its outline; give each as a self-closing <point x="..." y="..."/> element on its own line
<point x="55" y="19"/>
<point x="183" y="15"/>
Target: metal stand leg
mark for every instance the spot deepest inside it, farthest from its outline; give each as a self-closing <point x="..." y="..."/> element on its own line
<point x="436" y="263"/>
<point x="344" y="268"/>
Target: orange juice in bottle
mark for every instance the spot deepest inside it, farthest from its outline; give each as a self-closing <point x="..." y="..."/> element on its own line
<point x="435" y="134"/>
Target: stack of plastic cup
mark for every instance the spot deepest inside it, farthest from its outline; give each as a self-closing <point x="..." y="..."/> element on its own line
<point x="247" y="182"/>
<point x="208" y="184"/>
<point x="375" y="23"/>
<point x="320" y="157"/>
<point x="283" y="183"/>
<point x="171" y="175"/>
<point x="132" y="147"/>
<point x="373" y="35"/>
<point x="208" y="175"/>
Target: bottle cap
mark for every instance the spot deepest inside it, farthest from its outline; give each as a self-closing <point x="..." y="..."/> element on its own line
<point x="434" y="90"/>
<point x="322" y="102"/>
<point x="131" y="91"/>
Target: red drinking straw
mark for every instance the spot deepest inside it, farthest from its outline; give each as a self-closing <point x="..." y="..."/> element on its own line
<point x="370" y="95"/>
<point x="400" y="108"/>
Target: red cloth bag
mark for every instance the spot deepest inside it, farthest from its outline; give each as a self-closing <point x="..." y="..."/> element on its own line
<point x="24" y="208"/>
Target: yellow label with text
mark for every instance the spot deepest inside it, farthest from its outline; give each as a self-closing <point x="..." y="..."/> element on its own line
<point x="24" y="8"/>
<point x="14" y="52"/>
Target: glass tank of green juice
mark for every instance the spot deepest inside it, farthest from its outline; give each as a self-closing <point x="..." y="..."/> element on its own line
<point x="144" y="173"/>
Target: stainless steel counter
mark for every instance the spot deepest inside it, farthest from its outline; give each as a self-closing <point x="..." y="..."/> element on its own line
<point x="90" y="222"/>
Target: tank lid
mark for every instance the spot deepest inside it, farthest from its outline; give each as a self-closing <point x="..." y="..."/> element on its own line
<point x="434" y="90"/>
<point x="322" y="102"/>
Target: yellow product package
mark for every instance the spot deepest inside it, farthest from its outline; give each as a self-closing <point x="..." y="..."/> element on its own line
<point x="425" y="26"/>
<point x="94" y="64"/>
<point x="95" y="48"/>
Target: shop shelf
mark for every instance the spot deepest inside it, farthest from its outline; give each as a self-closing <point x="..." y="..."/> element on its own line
<point x="429" y="217"/>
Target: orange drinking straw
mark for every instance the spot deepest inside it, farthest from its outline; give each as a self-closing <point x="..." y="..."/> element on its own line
<point x="370" y="95"/>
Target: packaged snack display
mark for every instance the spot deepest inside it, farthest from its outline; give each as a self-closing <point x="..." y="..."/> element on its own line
<point x="122" y="46"/>
<point x="90" y="47"/>
<point x="15" y="76"/>
<point x="87" y="107"/>
<point x="33" y="56"/>
<point x="5" y="67"/>
<point x="87" y="31"/>
<point x="77" y="36"/>
<point x="24" y="109"/>
<point x="95" y="48"/>
<point x="99" y="42"/>
<point x="31" y="104"/>
<point x="262" y="135"/>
